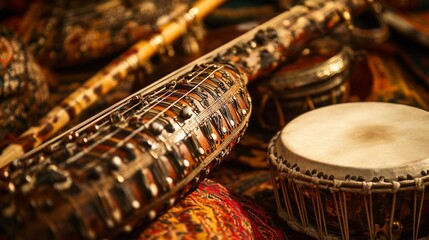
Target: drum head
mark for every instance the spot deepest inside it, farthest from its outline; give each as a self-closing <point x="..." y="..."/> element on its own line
<point x="359" y="139"/>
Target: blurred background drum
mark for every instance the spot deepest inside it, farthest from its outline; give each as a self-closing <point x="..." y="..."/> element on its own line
<point x="318" y="78"/>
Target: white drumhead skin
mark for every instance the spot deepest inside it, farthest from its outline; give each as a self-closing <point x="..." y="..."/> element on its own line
<point x="366" y="139"/>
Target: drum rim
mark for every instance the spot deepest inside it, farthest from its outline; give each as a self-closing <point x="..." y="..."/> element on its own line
<point x="317" y="88"/>
<point x="358" y="185"/>
<point x="337" y="93"/>
<point x="335" y="65"/>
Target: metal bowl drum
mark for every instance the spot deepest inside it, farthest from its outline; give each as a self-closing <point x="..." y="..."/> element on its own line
<point x="354" y="171"/>
<point x="318" y="78"/>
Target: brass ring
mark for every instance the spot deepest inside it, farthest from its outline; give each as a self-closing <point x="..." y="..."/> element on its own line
<point x="312" y="74"/>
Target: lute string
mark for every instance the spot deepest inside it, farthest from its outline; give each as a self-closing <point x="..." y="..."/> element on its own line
<point x="146" y="125"/>
<point x="105" y="124"/>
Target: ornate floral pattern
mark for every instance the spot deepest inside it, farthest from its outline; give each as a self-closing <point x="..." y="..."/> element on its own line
<point x="213" y="212"/>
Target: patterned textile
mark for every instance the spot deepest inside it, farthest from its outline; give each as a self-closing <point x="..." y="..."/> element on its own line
<point x="392" y="83"/>
<point x="412" y="24"/>
<point x="64" y="33"/>
<point x="407" y="4"/>
<point x="23" y="87"/>
<point x="254" y="183"/>
<point x="415" y="55"/>
<point x="213" y="212"/>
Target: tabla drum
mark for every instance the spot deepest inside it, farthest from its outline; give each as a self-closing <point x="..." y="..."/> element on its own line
<point x="354" y="171"/>
<point x="318" y="78"/>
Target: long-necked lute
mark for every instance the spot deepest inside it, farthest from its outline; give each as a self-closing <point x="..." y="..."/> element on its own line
<point x="134" y="160"/>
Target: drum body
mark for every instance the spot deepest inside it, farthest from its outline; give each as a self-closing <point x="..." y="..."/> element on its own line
<point x="320" y="77"/>
<point x="354" y="171"/>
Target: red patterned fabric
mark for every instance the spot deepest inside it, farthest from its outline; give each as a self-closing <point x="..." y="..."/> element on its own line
<point x="213" y="212"/>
